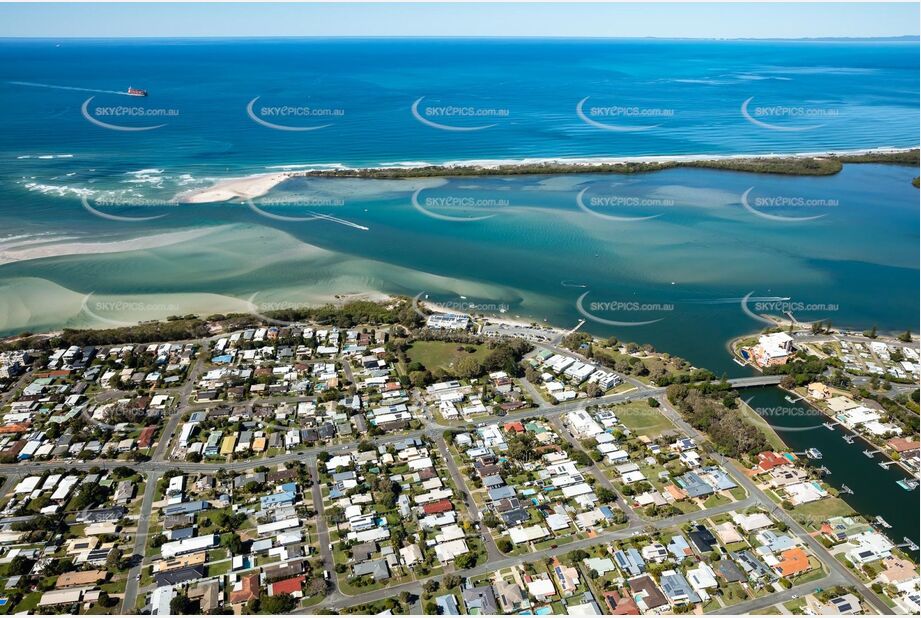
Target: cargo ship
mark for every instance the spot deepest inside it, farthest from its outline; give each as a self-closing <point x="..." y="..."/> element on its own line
<point x="136" y="92"/>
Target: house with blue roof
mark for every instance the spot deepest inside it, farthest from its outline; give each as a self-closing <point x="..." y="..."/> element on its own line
<point x="679" y="548"/>
<point x="695" y="486"/>
<point x="754" y="568"/>
<point x="282" y="498"/>
<point x="776" y="542"/>
<point x="718" y="478"/>
<point x="677" y="589"/>
<point x="185" y="508"/>
<point x="500" y="493"/>
<point x="447" y="605"/>
<point x="630" y="562"/>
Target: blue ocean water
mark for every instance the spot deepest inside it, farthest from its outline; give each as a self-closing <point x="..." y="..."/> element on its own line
<point x="409" y="101"/>
<point x="833" y="95"/>
<point x="664" y="258"/>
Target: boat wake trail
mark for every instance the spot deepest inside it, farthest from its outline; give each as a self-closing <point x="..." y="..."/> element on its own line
<point x="56" y="87"/>
<point x="339" y="221"/>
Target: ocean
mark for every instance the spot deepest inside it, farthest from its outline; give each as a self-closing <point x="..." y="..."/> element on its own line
<point x="684" y="259"/>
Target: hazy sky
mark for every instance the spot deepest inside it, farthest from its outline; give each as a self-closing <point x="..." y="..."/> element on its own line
<point x="757" y="20"/>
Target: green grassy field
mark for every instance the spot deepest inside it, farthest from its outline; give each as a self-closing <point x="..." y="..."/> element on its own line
<point x="443" y="354"/>
<point x="823" y="509"/>
<point x="641" y="419"/>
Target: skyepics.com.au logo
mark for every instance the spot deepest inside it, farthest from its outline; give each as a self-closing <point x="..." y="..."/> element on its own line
<point x="757" y="308"/>
<point x="280" y="312"/>
<point x="613" y="312"/>
<point x="762" y="205"/>
<point x="296" y="118"/>
<point x="780" y="417"/>
<point x="604" y="202"/>
<point x="130" y="118"/>
<point x="125" y="311"/>
<point x="301" y="209"/>
<point x="787" y="117"/>
<point x="460" y="206"/>
<point x="457" y="118"/>
<point x="622" y="118"/>
<point x="125" y="209"/>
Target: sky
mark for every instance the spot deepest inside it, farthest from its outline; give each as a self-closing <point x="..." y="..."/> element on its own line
<point x="675" y="20"/>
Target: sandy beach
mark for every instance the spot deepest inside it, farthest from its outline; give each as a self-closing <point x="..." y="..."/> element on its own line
<point x="245" y="188"/>
<point x="257" y="185"/>
<point x="26" y="251"/>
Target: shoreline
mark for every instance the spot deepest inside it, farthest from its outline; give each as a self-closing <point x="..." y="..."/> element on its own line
<point x="27" y="252"/>
<point x="246" y="187"/>
<point x="804" y="398"/>
<point x="806" y="163"/>
<point x="489" y="318"/>
<point x="795" y="164"/>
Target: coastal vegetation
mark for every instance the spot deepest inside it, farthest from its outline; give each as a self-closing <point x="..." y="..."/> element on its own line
<point x="180" y="328"/>
<point x="351" y="313"/>
<point x="425" y="358"/>
<point x="802" y="369"/>
<point x="713" y="409"/>
<point x="825" y="165"/>
<point x="640" y="361"/>
<point x="173" y="329"/>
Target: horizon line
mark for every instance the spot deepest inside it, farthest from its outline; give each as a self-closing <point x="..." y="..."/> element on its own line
<point x="900" y="37"/>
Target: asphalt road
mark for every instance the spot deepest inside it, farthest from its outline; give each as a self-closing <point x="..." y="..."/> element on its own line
<point x="140" y="541"/>
<point x="831" y="564"/>
<point x="159" y="464"/>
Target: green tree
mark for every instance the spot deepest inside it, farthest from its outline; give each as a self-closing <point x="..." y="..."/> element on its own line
<point x="430" y="586"/>
<point x="182" y="605"/>
<point x="279" y="604"/>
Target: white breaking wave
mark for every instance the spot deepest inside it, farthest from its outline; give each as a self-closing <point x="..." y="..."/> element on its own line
<point x="46" y="156"/>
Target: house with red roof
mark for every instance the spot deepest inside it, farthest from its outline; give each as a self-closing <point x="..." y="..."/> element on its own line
<point x="441" y="506"/>
<point x="245" y="590"/>
<point x="900" y="445"/>
<point x="768" y="460"/>
<point x="146" y="437"/>
<point x="292" y="586"/>
<point x="621" y="605"/>
<point x="515" y="426"/>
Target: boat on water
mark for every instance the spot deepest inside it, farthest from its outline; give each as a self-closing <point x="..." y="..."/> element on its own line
<point x="813" y="453"/>
<point x="882" y="522"/>
<point x="136" y="92"/>
<point x="908" y="484"/>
